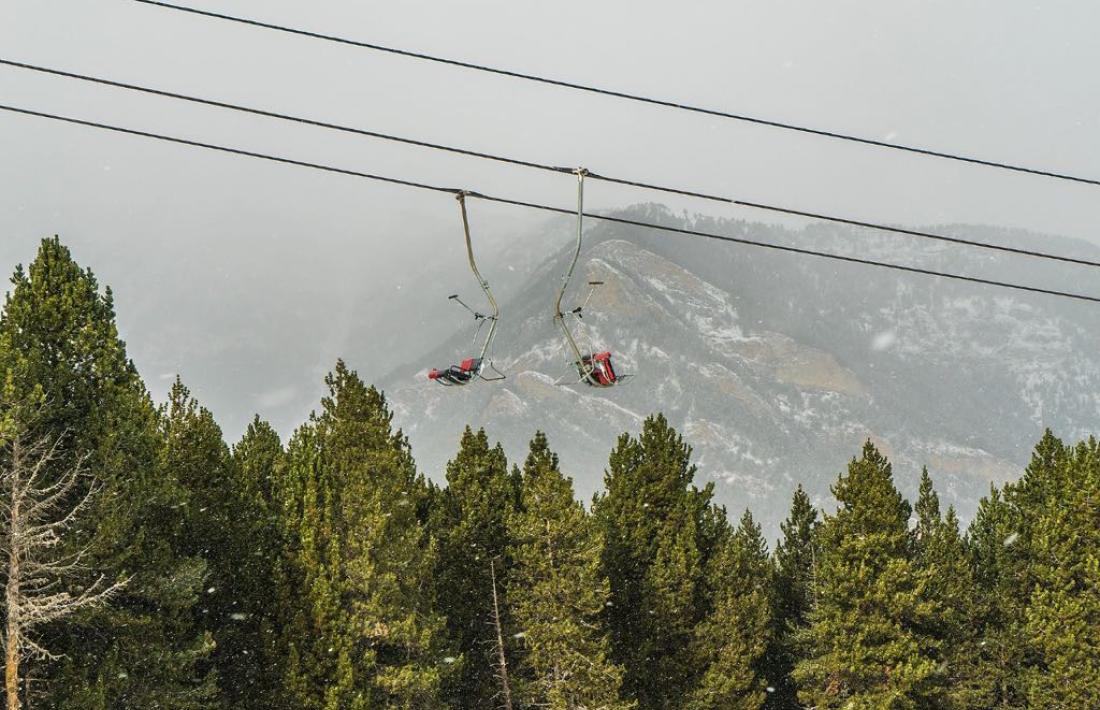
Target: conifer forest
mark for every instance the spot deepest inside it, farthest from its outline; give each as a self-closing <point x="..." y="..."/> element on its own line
<point x="150" y="564"/>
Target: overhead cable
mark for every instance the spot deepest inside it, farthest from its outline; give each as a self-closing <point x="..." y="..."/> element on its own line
<point x="667" y="103"/>
<point x="923" y="234"/>
<point x="548" y="208"/>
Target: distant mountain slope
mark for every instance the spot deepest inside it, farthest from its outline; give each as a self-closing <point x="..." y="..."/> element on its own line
<point x="777" y="368"/>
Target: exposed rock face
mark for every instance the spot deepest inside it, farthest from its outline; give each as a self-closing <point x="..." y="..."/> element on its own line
<point x="777" y="368"/>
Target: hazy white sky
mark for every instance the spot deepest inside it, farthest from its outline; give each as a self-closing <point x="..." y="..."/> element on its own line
<point x="1000" y="79"/>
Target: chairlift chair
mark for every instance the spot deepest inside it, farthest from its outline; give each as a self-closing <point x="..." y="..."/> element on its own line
<point x="595" y="368"/>
<point x="479" y="367"/>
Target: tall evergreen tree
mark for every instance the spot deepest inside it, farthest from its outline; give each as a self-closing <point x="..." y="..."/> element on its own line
<point x="59" y="343"/>
<point x="732" y="641"/>
<point x="793" y="596"/>
<point x="940" y="558"/>
<point x="991" y="674"/>
<point x="470" y="519"/>
<point x="660" y="534"/>
<point x="557" y="593"/>
<point x="1062" y="619"/>
<point x="250" y="645"/>
<point x="928" y="513"/>
<point x="195" y="452"/>
<point x="862" y="647"/>
<point x="362" y="633"/>
<point x="1003" y="545"/>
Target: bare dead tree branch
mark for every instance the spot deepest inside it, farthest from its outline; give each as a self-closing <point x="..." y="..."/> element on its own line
<point x="40" y="501"/>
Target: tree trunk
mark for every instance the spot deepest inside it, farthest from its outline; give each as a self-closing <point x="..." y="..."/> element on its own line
<point x="502" y="671"/>
<point x="11" y="665"/>
<point x="12" y="639"/>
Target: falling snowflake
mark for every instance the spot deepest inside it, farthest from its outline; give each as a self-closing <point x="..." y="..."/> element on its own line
<point x="884" y="340"/>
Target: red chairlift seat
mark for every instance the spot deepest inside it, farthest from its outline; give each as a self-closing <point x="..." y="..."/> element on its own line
<point x="460" y="374"/>
<point x="601" y="373"/>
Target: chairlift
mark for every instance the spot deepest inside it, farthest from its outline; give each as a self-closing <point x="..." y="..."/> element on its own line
<point x="595" y="368"/>
<point x="480" y="366"/>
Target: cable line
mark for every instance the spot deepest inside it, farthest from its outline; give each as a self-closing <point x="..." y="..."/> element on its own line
<point x="546" y="208"/>
<point x="629" y="96"/>
<point x="550" y="168"/>
<point x="280" y="116"/>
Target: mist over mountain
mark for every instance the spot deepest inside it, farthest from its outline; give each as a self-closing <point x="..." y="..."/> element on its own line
<point x="777" y="368"/>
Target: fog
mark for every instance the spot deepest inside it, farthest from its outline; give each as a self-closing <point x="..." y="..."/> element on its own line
<point x="218" y="262"/>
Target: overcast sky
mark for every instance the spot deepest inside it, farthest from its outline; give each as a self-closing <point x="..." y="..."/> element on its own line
<point x="999" y="79"/>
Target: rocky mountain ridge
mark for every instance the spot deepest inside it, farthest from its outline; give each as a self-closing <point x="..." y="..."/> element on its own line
<point x="777" y="368"/>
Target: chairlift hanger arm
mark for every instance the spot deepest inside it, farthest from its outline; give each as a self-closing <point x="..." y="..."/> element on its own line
<point x="461" y="197"/>
<point x="473" y="368"/>
<point x="485" y="357"/>
<point x="594" y="368"/>
<point x="568" y="275"/>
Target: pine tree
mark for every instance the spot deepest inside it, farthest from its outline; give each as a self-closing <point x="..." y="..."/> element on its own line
<point x="940" y="557"/>
<point x="361" y="632"/>
<point x="732" y="641"/>
<point x="927" y="509"/>
<point x="660" y="534"/>
<point x="862" y="649"/>
<point x="1062" y="619"/>
<point x="557" y="593"/>
<point x="470" y="518"/>
<point x="991" y="674"/>
<point x="195" y="452"/>
<point x="250" y="645"/>
<point x="1007" y="564"/>
<point x="59" y="345"/>
<point x="259" y="458"/>
<point x="793" y="595"/>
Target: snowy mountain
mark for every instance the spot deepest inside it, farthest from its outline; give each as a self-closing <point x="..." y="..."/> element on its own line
<point x="777" y="368"/>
